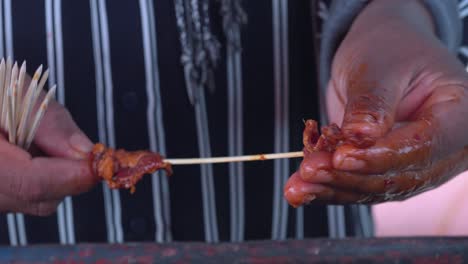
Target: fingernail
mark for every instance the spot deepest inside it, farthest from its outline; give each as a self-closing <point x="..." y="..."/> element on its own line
<point x="307" y="172"/>
<point x="315" y="176"/>
<point x="292" y="197"/>
<point x="308" y="198"/>
<point x="359" y="138"/>
<point x="324" y="176"/>
<point x="81" y="144"/>
<point x="363" y="118"/>
<point x="349" y="163"/>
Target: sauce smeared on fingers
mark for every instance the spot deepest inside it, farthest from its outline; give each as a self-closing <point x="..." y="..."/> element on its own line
<point x="321" y="147"/>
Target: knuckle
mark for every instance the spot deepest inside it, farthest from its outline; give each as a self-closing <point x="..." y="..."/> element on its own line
<point x="44" y="208"/>
<point x="27" y="191"/>
<point x="60" y="112"/>
<point x="365" y="199"/>
<point x="456" y="93"/>
<point x="18" y="187"/>
<point x="34" y="194"/>
<point x="370" y="105"/>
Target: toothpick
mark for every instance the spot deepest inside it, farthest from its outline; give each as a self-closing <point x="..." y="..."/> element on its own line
<point x="10" y="118"/>
<point x="20" y="95"/>
<point x="28" y="105"/>
<point x="271" y="156"/>
<point x="13" y="85"/>
<point x="39" y="116"/>
<point x="2" y="91"/>
<point x="38" y="89"/>
<point x="19" y="116"/>
<point x="6" y="84"/>
<point x="43" y="79"/>
<point x="26" y="112"/>
<point x="12" y="104"/>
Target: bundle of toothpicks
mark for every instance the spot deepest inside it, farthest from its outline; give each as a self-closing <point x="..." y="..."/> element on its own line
<point x="20" y="111"/>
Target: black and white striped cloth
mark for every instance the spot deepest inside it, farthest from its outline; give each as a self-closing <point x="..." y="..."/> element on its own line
<point x="137" y="75"/>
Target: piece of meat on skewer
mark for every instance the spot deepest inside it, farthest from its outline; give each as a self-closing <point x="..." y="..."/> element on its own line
<point x="330" y="138"/>
<point x="322" y="147"/>
<point x="123" y="169"/>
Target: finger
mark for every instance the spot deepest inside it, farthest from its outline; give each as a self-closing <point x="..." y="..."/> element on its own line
<point x="404" y="147"/>
<point x="60" y="177"/>
<point x="33" y="179"/>
<point x="298" y="192"/>
<point x="368" y="116"/>
<point x="437" y="132"/>
<point x="45" y="178"/>
<point x="379" y="184"/>
<point x="314" y="167"/>
<point x="317" y="168"/>
<point x="10" y="152"/>
<point x="370" y="106"/>
<point x="41" y="208"/>
<point x="59" y="136"/>
<point x="341" y="197"/>
<point x="35" y="151"/>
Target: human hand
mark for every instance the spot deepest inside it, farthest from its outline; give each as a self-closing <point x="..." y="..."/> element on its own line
<point x="36" y="185"/>
<point x="402" y="100"/>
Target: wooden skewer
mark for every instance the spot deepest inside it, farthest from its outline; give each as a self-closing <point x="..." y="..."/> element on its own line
<point x="270" y="156"/>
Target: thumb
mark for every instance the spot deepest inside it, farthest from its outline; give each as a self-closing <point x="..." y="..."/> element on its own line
<point x="57" y="177"/>
<point x="370" y="105"/>
<point x="44" y="179"/>
<point x="368" y="116"/>
<point x="41" y="179"/>
<point x="59" y="136"/>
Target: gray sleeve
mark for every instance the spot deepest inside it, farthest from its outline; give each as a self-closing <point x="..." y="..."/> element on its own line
<point x="343" y="12"/>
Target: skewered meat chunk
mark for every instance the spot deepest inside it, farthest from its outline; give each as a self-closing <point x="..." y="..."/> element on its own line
<point x="123" y="169"/>
<point x="331" y="137"/>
